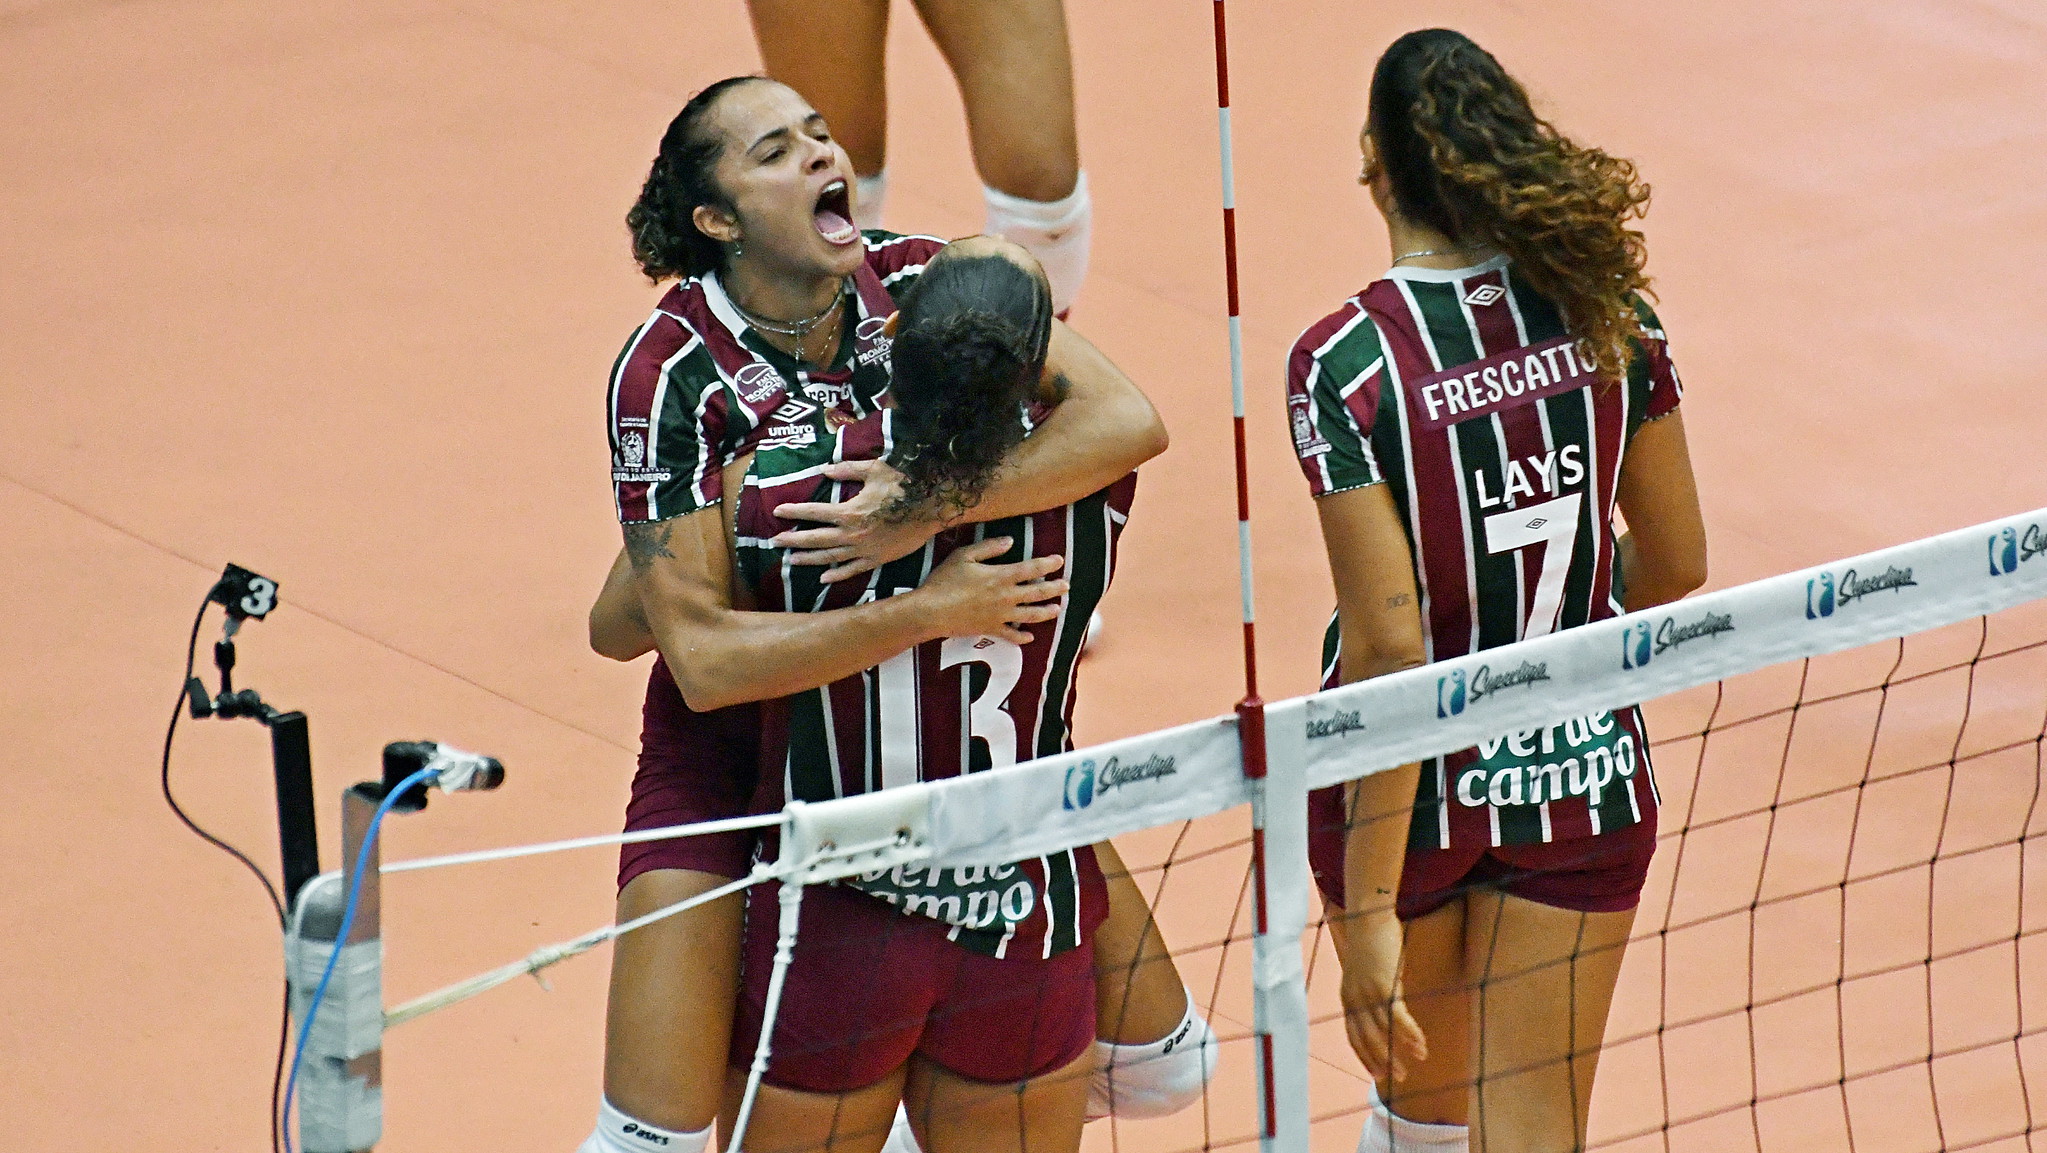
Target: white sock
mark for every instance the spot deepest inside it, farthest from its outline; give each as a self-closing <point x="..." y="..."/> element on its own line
<point x="618" y="1133"/>
<point x="869" y="194"/>
<point x="900" y="1139"/>
<point x="1055" y="231"/>
<point x="1386" y="1133"/>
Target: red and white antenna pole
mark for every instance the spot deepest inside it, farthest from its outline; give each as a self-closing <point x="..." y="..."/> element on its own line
<point x="1250" y="710"/>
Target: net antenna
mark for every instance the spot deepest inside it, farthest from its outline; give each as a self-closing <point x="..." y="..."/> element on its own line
<point x="1279" y="830"/>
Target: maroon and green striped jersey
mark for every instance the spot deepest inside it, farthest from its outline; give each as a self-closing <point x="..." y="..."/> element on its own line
<point x="943" y="709"/>
<point x="1463" y="392"/>
<point x="695" y="385"/>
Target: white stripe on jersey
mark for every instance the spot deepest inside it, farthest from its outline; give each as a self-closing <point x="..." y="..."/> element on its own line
<point x="1061" y="624"/>
<point x="668" y="368"/>
<point x="900" y="273"/>
<point x="1514" y="307"/>
<point x="1499" y="428"/>
<point x="1364" y="442"/>
<point x="1336" y="337"/>
<point x="721" y="306"/>
<point x="1428" y="340"/>
<point x="618" y="382"/>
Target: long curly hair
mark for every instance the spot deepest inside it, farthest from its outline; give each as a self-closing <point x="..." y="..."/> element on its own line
<point x="666" y="241"/>
<point x="1467" y="155"/>
<point x="970" y="346"/>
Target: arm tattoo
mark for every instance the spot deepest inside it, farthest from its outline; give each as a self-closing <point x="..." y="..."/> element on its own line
<point x="645" y="542"/>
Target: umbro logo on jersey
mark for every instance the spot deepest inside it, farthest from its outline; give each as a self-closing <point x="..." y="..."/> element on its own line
<point x="1538" y="522"/>
<point x="793" y="410"/>
<point x="1485" y="294"/>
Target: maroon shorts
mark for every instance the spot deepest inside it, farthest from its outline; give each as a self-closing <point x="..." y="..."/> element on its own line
<point x="693" y="767"/>
<point x="868" y="986"/>
<point x="1602" y="874"/>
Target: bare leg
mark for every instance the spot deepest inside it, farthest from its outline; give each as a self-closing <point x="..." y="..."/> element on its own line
<point x="1436" y="1090"/>
<point x="1545" y="979"/>
<point x="1015" y="74"/>
<point x="673" y="988"/>
<point x="951" y="1114"/>
<point x="832" y="51"/>
<point x="1139" y="997"/>
<point x="790" y="1120"/>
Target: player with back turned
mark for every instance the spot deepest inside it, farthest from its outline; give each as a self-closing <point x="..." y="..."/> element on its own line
<point x="1469" y="424"/>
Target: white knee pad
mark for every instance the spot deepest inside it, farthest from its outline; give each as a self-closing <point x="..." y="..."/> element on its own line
<point x="869" y="194"/>
<point x="618" y="1133"/>
<point x="1154" y="1080"/>
<point x="1386" y="1133"/>
<point x="1055" y="231"/>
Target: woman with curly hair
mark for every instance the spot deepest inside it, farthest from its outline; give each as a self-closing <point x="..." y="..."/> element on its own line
<point x="1469" y="424"/>
<point x="976" y="1006"/>
<point x="772" y="335"/>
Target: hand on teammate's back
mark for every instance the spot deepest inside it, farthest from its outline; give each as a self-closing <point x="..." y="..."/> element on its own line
<point x="969" y="597"/>
<point x="856" y="537"/>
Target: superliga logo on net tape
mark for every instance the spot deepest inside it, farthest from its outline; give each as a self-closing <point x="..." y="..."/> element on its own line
<point x="1085" y="783"/>
<point x="1454" y="693"/>
<point x="2009" y="548"/>
<point x="1641" y="644"/>
<point x="1824" y="596"/>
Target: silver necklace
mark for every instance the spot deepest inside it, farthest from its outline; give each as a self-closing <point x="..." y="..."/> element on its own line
<point x="802" y="327"/>
<point x="1438" y="252"/>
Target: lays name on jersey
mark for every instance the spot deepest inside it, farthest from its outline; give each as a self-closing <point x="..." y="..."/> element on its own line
<point x="1556" y="470"/>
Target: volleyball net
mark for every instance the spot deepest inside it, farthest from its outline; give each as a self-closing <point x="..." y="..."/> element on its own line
<point x="1832" y="950"/>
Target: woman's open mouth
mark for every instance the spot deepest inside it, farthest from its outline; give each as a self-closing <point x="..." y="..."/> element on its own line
<point x="834" y="214"/>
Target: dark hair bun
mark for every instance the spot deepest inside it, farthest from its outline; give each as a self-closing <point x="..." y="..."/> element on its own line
<point x="666" y="241"/>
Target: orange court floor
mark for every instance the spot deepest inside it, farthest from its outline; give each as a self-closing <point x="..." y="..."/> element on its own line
<point x="330" y="290"/>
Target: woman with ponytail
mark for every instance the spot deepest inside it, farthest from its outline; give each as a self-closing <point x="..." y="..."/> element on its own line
<point x="1469" y="424"/>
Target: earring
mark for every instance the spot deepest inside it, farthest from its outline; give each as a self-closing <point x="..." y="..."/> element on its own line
<point x="738" y="250"/>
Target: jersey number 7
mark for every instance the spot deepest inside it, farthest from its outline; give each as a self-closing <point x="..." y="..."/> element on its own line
<point x="1554" y="525"/>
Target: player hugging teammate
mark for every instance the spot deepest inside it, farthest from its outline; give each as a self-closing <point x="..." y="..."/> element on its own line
<point x="761" y="384"/>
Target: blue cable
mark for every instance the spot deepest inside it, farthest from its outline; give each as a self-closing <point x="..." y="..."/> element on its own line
<point x="362" y="860"/>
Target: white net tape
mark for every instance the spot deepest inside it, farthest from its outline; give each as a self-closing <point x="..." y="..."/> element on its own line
<point x="1196" y="770"/>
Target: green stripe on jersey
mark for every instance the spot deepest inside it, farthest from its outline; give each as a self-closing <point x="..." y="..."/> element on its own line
<point x="1087" y="548"/>
<point x="1349" y="460"/>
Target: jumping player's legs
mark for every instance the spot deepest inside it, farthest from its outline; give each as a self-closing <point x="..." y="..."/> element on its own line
<point x="951" y="1114"/>
<point x="1015" y="74"/>
<point x="1545" y="978"/>
<point x="834" y="53"/>
<point x="673" y="987"/>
